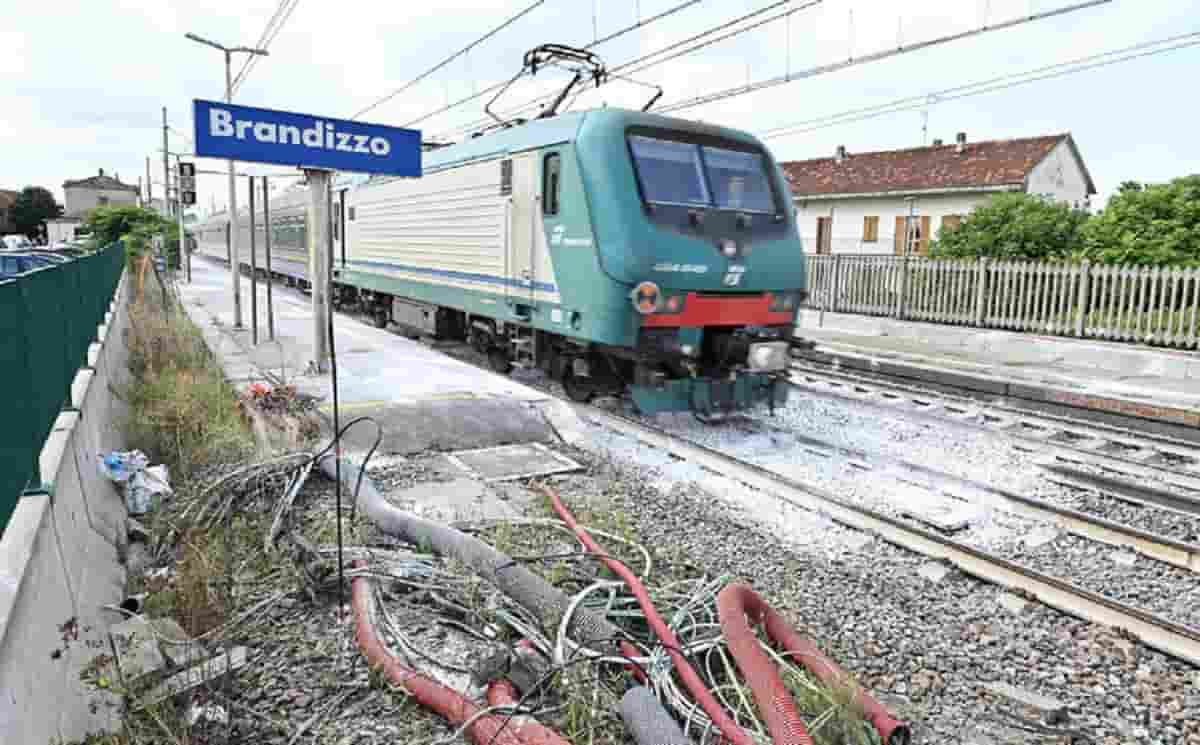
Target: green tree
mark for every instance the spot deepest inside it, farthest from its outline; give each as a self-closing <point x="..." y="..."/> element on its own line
<point x="137" y="226"/>
<point x="32" y="208"/>
<point x="1151" y="225"/>
<point x="1014" y="227"/>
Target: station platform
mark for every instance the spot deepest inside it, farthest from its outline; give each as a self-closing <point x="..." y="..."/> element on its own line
<point x="423" y="399"/>
<point x="1107" y="382"/>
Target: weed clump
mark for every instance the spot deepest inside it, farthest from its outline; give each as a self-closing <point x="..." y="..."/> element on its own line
<point x="181" y="410"/>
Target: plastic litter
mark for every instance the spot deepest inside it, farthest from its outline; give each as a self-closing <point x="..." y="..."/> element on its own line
<point x="142" y="482"/>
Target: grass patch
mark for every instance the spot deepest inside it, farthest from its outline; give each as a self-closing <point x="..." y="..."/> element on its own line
<point x="181" y="410"/>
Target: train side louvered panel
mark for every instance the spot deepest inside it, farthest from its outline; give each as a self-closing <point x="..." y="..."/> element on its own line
<point x="446" y="228"/>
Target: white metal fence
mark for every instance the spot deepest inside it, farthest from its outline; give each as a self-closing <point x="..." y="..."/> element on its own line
<point x="1121" y="303"/>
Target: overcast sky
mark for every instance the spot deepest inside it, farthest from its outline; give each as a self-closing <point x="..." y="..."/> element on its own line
<point x="85" y="82"/>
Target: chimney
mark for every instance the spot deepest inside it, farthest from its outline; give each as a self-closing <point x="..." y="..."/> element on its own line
<point x="841" y="153"/>
<point x="962" y="141"/>
<point x="101" y="171"/>
<point x="938" y="142"/>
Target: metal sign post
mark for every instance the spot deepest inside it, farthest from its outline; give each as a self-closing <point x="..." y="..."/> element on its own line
<point x="267" y="249"/>
<point x="318" y="270"/>
<point x="253" y="272"/>
<point x="319" y="146"/>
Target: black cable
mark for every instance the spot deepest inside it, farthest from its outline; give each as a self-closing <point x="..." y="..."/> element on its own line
<point x="451" y="58"/>
<point x="625" y="66"/>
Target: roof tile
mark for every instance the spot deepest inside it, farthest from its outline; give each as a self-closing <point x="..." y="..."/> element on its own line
<point x="981" y="164"/>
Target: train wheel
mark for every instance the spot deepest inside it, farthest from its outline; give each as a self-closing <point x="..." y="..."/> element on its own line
<point x="380" y="320"/>
<point x="499" y="361"/>
<point x="577" y="389"/>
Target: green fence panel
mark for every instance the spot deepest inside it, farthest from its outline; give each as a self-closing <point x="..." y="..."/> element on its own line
<point x="18" y="453"/>
<point x="48" y="319"/>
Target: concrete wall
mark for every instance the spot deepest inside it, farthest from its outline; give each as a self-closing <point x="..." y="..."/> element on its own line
<point x="80" y="199"/>
<point x="61" y="561"/>
<point x="848" y="217"/>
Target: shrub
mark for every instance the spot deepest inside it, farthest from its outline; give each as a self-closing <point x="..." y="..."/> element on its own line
<point x="1153" y="225"/>
<point x="1014" y="227"/>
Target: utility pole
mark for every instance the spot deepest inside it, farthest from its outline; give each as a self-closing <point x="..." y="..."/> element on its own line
<point x="185" y="257"/>
<point x="319" y="253"/>
<point x="149" y="186"/>
<point x="166" y="169"/>
<point x="234" y="262"/>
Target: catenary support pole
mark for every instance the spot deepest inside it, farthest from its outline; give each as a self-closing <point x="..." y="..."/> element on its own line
<point x="185" y="256"/>
<point x="318" y="262"/>
<point x="267" y="249"/>
<point x="166" y="169"/>
<point x="149" y="186"/>
<point x="253" y="271"/>
<point x="235" y="264"/>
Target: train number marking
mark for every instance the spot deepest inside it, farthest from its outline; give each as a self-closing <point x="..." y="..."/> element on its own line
<point x="733" y="277"/>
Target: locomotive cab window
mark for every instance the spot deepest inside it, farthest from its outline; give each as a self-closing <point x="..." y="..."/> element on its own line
<point x="702" y="172"/>
<point x="551" y="176"/>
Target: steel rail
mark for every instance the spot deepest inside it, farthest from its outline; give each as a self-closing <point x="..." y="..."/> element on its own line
<point x="1093" y="527"/>
<point x="1128" y="491"/>
<point x="1083" y="428"/>
<point x="1043" y="444"/>
<point x="1162" y="634"/>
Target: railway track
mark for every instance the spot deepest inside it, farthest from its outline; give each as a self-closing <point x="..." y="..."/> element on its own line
<point x="1093" y="527"/>
<point x="1155" y="631"/>
<point x="1062" y="443"/>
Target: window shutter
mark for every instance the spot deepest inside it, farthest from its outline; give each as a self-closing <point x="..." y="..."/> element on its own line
<point x="923" y="248"/>
<point x="900" y="236"/>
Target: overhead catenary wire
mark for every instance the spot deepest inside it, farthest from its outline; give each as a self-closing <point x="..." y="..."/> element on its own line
<point x="250" y="63"/>
<point x="636" y="65"/>
<point x="508" y="22"/>
<point x="900" y="49"/>
<point x="237" y="79"/>
<point x="991" y="85"/>
<point x="497" y="86"/>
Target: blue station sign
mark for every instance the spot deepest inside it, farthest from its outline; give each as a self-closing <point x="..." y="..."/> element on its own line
<point x="286" y="138"/>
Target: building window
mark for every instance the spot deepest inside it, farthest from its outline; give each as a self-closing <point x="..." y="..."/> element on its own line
<point x="101" y="201"/>
<point x="824" y="235"/>
<point x="551" y="173"/>
<point x="870" y="230"/>
<point x="506" y="177"/>
<point x="951" y="222"/>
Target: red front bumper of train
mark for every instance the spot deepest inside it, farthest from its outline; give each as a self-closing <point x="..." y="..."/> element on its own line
<point x="703" y="309"/>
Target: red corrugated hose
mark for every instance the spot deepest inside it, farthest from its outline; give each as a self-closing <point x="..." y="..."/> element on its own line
<point x="740" y="609"/>
<point x="716" y="713"/>
<point x="491" y="729"/>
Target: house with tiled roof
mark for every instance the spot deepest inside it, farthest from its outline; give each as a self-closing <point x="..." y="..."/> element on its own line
<point x="895" y="201"/>
<point x="96" y="191"/>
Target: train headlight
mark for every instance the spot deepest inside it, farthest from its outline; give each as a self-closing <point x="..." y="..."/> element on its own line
<point x="646" y="298"/>
<point x="729" y="248"/>
<point x="769" y="356"/>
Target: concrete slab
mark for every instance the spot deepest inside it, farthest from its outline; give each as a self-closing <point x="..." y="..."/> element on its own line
<point x="423" y="399"/>
<point x="511" y="462"/>
<point x="458" y="500"/>
<point x="445" y="424"/>
<point x="137" y="648"/>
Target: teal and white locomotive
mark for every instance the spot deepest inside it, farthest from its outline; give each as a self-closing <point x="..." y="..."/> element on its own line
<point x="622" y="252"/>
